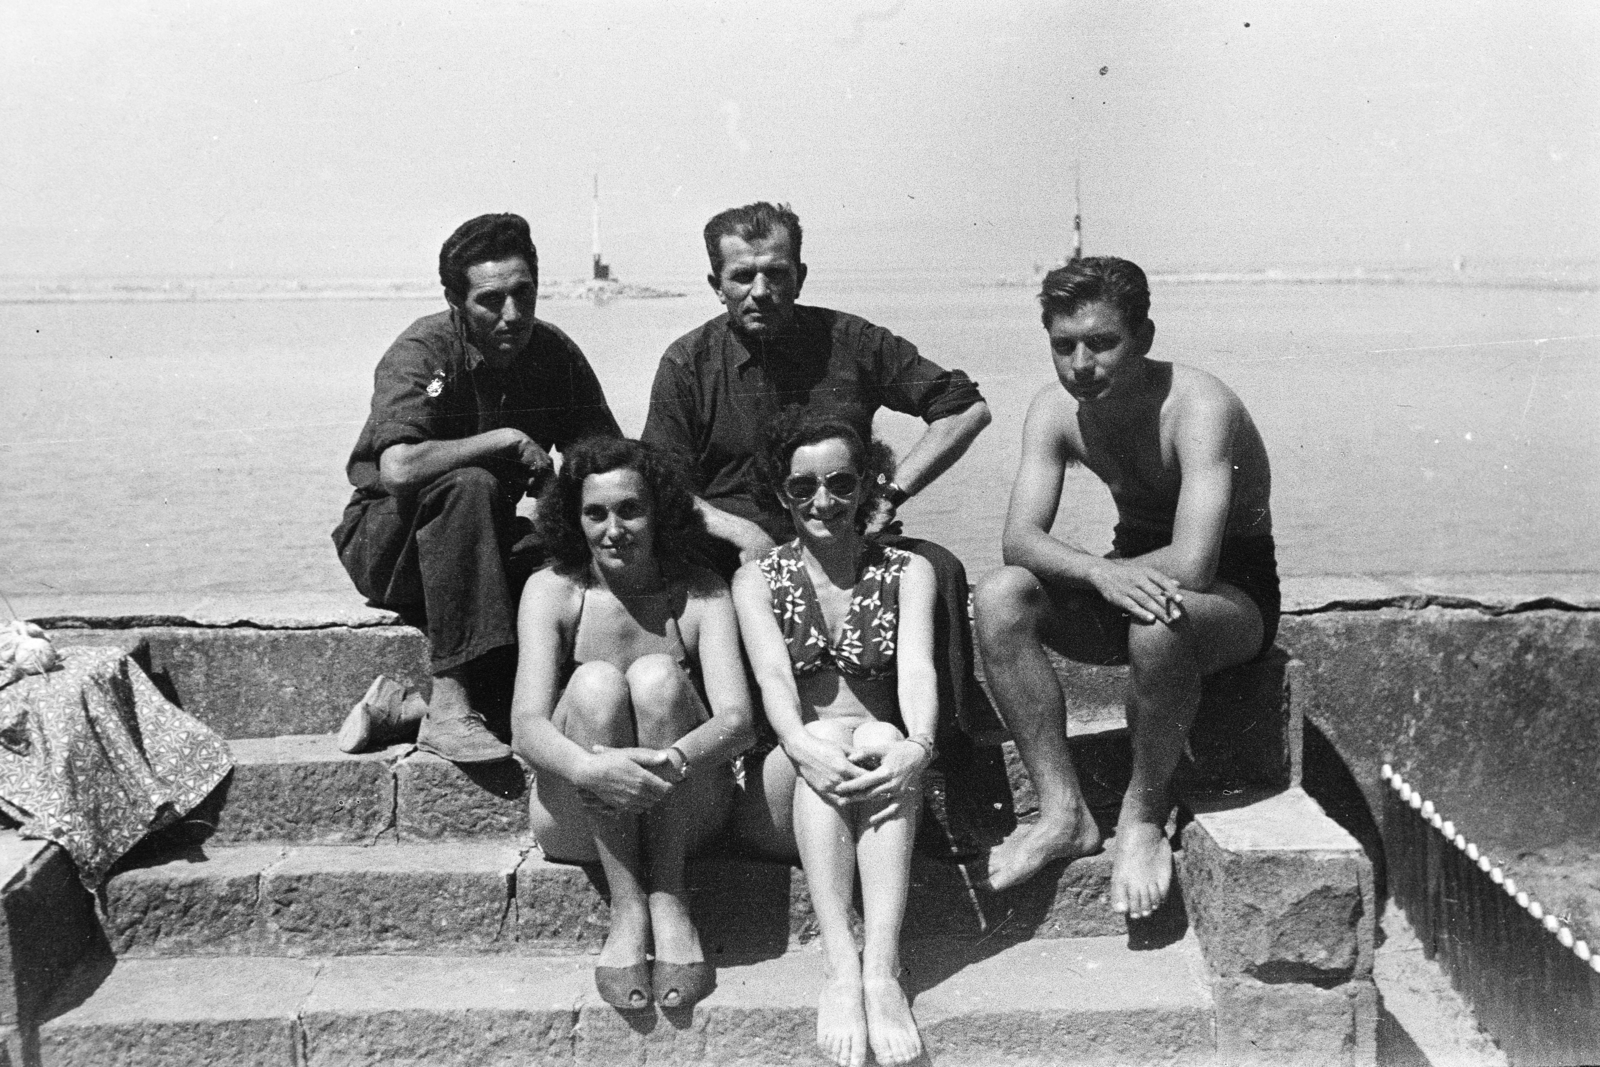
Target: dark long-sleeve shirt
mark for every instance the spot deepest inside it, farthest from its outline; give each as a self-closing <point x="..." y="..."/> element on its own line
<point x="434" y="385"/>
<point x="716" y="392"/>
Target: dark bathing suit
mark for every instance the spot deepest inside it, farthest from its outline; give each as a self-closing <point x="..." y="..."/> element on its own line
<point x="672" y="642"/>
<point x="1249" y="564"/>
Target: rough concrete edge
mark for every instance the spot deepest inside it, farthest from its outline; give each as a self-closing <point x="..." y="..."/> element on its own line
<point x="1491" y="594"/>
<point x="25" y="996"/>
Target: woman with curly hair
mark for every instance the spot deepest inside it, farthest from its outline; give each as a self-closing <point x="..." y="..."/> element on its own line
<point x="630" y="704"/>
<point x="839" y="631"/>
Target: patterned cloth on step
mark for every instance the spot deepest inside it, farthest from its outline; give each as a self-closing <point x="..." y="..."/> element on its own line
<point x="93" y="757"/>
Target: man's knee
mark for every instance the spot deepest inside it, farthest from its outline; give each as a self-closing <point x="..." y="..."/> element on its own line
<point x="466" y="485"/>
<point x="1157" y="647"/>
<point x="1007" y="601"/>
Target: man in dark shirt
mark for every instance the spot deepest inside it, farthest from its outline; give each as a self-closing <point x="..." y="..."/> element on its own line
<point x="719" y="387"/>
<point x="466" y="406"/>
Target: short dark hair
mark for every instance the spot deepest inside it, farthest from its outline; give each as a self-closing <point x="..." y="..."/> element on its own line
<point x="1117" y="282"/>
<point x="481" y="240"/>
<point x="796" y="427"/>
<point x="678" y="527"/>
<point x="750" y="223"/>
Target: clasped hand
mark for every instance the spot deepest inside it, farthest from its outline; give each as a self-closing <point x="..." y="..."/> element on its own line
<point x="533" y="459"/>
<point x="624" y="781"/>
<point x="1139" y="589"/>
<point x="860" y="776"/>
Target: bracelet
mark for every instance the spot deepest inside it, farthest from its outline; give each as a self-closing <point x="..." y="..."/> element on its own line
<point x="925" y="744"/>
<point x="682" y="764"/>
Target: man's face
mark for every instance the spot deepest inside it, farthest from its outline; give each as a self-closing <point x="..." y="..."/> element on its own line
<point x="498" y="307"/>
<point x="1098" y="355"/>
<point x="759" y="283"/>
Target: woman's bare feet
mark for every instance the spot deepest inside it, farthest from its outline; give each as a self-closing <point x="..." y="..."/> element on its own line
<point x="841" y="1020"/>
<point x="676" y="939"/>
<point x="1019" y="857"/>
<point x="890" y="1026"/>
<point x="1141" y="874"/>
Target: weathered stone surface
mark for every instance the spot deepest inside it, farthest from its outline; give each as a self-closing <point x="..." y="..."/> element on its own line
<point x="202" y="902"/>
<point x="439" y="800"/>
<point x="12" y="1052"/>
<point x="1062" y="900"/>
<point x="247" y="682"/>
<point x="46" y="924"/>
<point x="1493" y="718"/>
<point x="1278" y="891"/>
<point x="390" y="898"/>
<point x="177" y="1013"/>
<point x="302" y="788"/>
<point x="1296" y="1024"/>
<point x="559" y="906"/>
<point x="441" y="1011"/>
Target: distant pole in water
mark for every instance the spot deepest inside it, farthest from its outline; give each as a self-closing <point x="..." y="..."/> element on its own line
<point x="602" y="269"/>
<point x="1077" y="214"/>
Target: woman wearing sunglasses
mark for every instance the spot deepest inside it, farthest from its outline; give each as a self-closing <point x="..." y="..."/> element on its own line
<point x="839" y="631"/>
<point x="630" y="704"/>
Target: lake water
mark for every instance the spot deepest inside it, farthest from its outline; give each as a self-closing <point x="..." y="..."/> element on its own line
<point x="179" y="449"/>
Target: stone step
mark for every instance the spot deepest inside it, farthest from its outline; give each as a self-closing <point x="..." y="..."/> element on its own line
<point x="1086" y="1000"/>
<point x="504" y="897"/>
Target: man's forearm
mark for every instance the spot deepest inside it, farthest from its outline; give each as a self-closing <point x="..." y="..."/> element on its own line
<point x="940" y="445"/>
<point x="725" y="526"/>
<point x="406" y="468"/>
<point x="1049" y="558"/>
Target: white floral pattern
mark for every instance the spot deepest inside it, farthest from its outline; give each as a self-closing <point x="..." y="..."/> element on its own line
<point x="866" y="645"/>
<point x="93" y="757"/>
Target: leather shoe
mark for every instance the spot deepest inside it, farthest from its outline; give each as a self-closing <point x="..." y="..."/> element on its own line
<point x="389" y="712"/>
<point x="461" y="738"/>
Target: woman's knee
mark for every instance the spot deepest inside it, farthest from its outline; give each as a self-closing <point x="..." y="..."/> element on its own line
<point x="656" y="680"/>
<point x="835" y="730"/>
<point x="597" y="695"/>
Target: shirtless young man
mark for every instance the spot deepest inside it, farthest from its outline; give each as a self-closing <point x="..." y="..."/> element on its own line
<point x="1190" y="587"/>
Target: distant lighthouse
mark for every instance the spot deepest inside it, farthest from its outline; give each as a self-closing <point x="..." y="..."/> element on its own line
<point x="602" y="269"/>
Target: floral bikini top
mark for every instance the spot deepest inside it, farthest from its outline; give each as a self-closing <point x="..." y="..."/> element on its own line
<point x="866" y="646"/>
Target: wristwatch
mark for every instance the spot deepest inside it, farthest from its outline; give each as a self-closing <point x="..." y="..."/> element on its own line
<point x="892" y="493"/>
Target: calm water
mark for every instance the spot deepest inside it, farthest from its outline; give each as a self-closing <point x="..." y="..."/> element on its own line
<point x="198" y="448"/>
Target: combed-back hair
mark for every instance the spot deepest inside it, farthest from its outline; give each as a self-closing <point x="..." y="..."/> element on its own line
<point x="753" y="222"/>
<point x="796" y="427"/>
<point x="1114" y="281"/>
<point x="678" y="527"/>
<point x="482" y="240"/>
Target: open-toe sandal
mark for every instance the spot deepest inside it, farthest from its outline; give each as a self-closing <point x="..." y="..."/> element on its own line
<point x="618" y="986"/>
<point x="692" y="982"/>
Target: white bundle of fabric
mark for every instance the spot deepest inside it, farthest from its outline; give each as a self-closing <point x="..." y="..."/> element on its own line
<point x="24" y="649"/>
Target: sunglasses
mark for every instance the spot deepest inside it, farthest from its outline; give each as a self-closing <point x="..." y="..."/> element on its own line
<point x="800" y="488"/>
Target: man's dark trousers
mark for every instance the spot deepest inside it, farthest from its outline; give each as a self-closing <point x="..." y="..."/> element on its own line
<point x="450" y="560"/>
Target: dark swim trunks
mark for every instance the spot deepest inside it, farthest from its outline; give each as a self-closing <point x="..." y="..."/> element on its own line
<point x="1250" y="564"/>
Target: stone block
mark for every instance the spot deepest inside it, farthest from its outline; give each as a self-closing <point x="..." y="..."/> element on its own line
<point x="390" y="898"/>
<point x="201" y="902"/>
<point x="47" y="924"/>
<point x="388" y="1011"/>
<point x="302" y="788"/>
<point x="247" y="682"/>
<point x="163" y="1013"/>
<point x="1294" y="1023"/>
<point x="437" y="800"/>
<point x="560" y="906"/>
<point x="1278" y="891"/>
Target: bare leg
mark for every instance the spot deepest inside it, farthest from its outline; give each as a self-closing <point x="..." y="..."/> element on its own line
<point x="667" y="707"/>
<point x="597" y="712"/>
<point x="1011" y="609"/>
<point x="1167" y="663"/>
<point x="825" y="833"/>
<point x="883" y="856"/>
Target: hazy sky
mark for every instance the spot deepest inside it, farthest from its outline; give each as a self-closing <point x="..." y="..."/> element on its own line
<point x="347" y="139"/>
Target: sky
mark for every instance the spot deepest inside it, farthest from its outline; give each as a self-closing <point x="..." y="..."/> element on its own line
<point x="345" y="140"/>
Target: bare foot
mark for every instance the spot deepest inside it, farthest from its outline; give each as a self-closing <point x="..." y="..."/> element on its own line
<point x="892" y="1030"/>
<point x="841" y="1022"/>
<point x="1019" y="857"/>
<point x="676" y="939"/>
<point x="1142" y="872"/>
